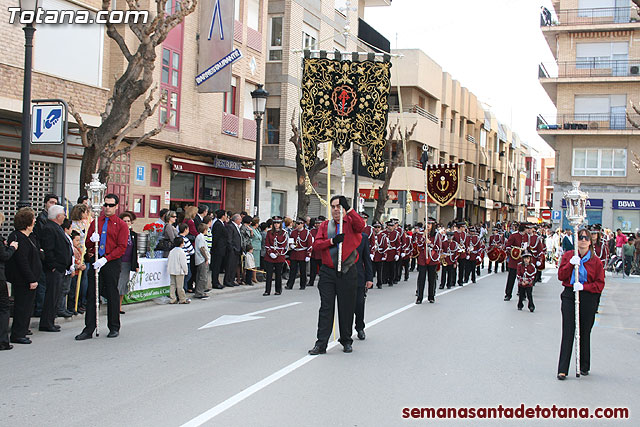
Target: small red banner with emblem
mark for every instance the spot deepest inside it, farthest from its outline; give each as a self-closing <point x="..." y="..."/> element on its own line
<point x="443" y="182"/>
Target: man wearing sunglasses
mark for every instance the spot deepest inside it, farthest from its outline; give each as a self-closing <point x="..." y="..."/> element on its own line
<point x="112" y="237"/>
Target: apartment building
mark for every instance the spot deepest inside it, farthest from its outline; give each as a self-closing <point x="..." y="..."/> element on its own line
<point x="595" y="77"/>
<point x="456" y="128"/>
<point x="205" y="153"/>
<point x="547" y="178"/>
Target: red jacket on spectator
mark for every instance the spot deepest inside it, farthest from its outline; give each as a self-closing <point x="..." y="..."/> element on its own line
<point x="352" y="226"/>
<point x="315" y="254"/>
<point x="595" y="273"/>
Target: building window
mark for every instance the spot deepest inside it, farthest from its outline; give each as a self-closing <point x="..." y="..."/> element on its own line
<point x="236" y="11"/>
<point x="278" y="200"/>
<point x="156" y="175"/>
<point x="537" y="196"/>
<point x="275" y="39"/>
<point x="537" y="176"/>
<point x="138" y="205"/>
<point x="230" y="98"/>
<point x="273" y="125"/>
<point x="483" y="138"/>
<point x="154" y="206"/>
<point x="599" y="162"/>
<point x="248" y="101"/>
<point x="170" y="87"/>
<point x="253" y="14"/>
<point x="309" y="37"/>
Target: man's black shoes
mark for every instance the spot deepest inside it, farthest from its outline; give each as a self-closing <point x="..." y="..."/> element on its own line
<point x="361" y="335"/>
<point x="317" y="350"/>
<point x="113" y="334"/>
<point x="83" y="336"/>
<point x="347" y="348"/>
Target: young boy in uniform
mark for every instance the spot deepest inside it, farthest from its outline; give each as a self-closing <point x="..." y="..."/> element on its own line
<point x="526" y="277"/>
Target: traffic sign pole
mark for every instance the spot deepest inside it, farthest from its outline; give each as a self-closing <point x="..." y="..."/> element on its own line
<point x="65" y="130"/>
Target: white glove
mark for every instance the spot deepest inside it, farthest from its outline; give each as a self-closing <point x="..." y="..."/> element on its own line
<point x="538" y="263"/>
<point x="402" y="255"/>
<point x="95" y="238"/>
<point x="307" y="259"/>
<point x="578" y="286"/>
<point x="272" y="255"/>
<point x="396" y="257"/>
<point x="468" y="257"/>
<point x="371" y="255"/>
<point x="575" y="260"/>
<point x="99" y="263"/>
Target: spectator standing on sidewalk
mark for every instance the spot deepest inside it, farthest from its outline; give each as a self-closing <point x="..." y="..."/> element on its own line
<point x="130" y="257"/>
<point x="628" y="251"/>
<point x="189" y="251"/>
<point x="202" y="259"/>
<point x="23" y="270"/>
<point x="58" y="259"/>
<point x="6" y="252"/>
<point x="41" y="220"/>
<point x="621" y="239"/>
<point x="177" y="268"/>
<point x="80" y="220"/>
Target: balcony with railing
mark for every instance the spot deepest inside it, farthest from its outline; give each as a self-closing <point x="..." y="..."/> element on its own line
<point x="585" y="122"/>
<point x="428" y="124"/>
<point x="592" y="16"/>
<point x="593" y="67"/>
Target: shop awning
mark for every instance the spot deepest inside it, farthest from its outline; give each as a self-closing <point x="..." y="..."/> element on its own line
<point x="224" y="168"/>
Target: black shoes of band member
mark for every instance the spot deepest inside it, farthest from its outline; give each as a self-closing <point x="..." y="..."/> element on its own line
<point x="441" y="287"/>
<point x="432" y="301"/>
<point x="317" y="350"/>
<point x="65" y="314"/>
<point x="83" y="336"/>
<point x="5" y="346"/>
<point x="361" y="334"/>
<point x="202" y="296"/>
<point x="288" y="287"/>
<point x="419" y="301"/>
<point x="584" y="373"/>
<point x="347" y="348"/>
<point x="277" y="293"/>
<point x="266" y="294"/>
<point x="531" y="309"/>
<point x="113" y="334"/>
<point x="562" y="376"/>
<point x="49" y="329"/>
<point x="507" y="298"/>
<point x="218" y="287"/>
<point x="29" y="332"/>
<point x="379" y="286"/>
<point x="519" y="307"/>
<point x="23" y="340"/>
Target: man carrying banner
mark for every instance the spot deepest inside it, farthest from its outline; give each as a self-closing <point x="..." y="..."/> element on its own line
<point x="429" y="247"/>
<point x="343" y="283"/>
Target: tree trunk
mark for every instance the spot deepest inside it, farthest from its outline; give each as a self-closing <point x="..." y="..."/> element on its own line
<point x="88" y="166"/>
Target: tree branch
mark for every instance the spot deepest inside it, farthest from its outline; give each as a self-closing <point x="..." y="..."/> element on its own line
<point x="146" y="112"/>
<point x="84" y="129"/>
<point x="113" y="33"/>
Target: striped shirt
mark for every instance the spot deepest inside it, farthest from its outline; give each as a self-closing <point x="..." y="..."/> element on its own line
<point x="208" y="237"/>
<point x="188" y="248"/>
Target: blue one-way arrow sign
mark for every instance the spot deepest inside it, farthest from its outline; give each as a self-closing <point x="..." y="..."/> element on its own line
<point x="47" y="124"/>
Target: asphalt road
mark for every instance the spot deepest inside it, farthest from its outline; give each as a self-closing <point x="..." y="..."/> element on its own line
<point x="469" y="349"/>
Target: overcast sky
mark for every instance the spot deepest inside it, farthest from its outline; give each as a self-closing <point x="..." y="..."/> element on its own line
<point x="492" y="47"/>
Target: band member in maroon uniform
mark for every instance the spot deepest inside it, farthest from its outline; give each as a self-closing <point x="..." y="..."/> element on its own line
<point x="600" y="249"/>
<point x="536" y="248"/>
<point x="276" y="245"/>
<point x="514" y="247"/>
<point x="300" y="254"/>
<point x="343" y="283"/>
<point x="590" y="284"/>
<point x="526" y="277"/>
<point x="429" y="248"/>
<point x="461" y="237"/>
<point x="378" y="244"/>
<point x="473" y="255"/>
<point x="316" y="259"/>
<point x="496" y="241"/>
<point x="448" y="259"/>
<point x="405" y="255"/>
<point x="368" y="230"/>
<point x="392" y="254"/>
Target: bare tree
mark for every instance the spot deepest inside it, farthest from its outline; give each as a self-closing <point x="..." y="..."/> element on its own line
<point x="320" y="164"/>
<point x="101" y="144"/>
<point x="635" y="124"/>
<point x="393" y="160"/>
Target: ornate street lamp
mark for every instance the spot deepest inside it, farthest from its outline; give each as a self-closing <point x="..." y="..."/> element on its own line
<point x="29" y="29"/>
<point x="259" y="97"/>
<point x="95" y="191"/>
<point x="576" y="213"/>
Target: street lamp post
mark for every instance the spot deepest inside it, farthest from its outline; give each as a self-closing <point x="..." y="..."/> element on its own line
<point x="29" y="29"/>
<point x="259" y="97"/>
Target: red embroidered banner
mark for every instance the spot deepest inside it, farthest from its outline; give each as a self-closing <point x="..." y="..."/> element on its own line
<point x="442" y="182"/>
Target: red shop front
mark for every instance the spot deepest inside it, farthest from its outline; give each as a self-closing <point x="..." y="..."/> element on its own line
<point x="221" y="185"/>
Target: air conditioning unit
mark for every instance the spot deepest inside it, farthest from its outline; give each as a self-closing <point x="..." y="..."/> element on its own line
<point x="634" y="69"/>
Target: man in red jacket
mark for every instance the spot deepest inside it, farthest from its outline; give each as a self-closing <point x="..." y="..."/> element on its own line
<point x="112" y="235"/>
<point x="343" y="283"/>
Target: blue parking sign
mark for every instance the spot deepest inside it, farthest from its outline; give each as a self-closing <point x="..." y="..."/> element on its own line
<point x="139" y="173"/>
<point x="556" y="215"/>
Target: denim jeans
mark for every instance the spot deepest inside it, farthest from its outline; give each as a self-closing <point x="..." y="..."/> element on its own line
<point x="64" y="291"/>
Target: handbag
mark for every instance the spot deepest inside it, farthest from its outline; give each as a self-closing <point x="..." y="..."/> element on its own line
<point x="164" y="245"/>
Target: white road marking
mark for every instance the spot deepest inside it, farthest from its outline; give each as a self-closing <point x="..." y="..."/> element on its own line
<point x="247" y="392"/>
<point x="229" y="319"/>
